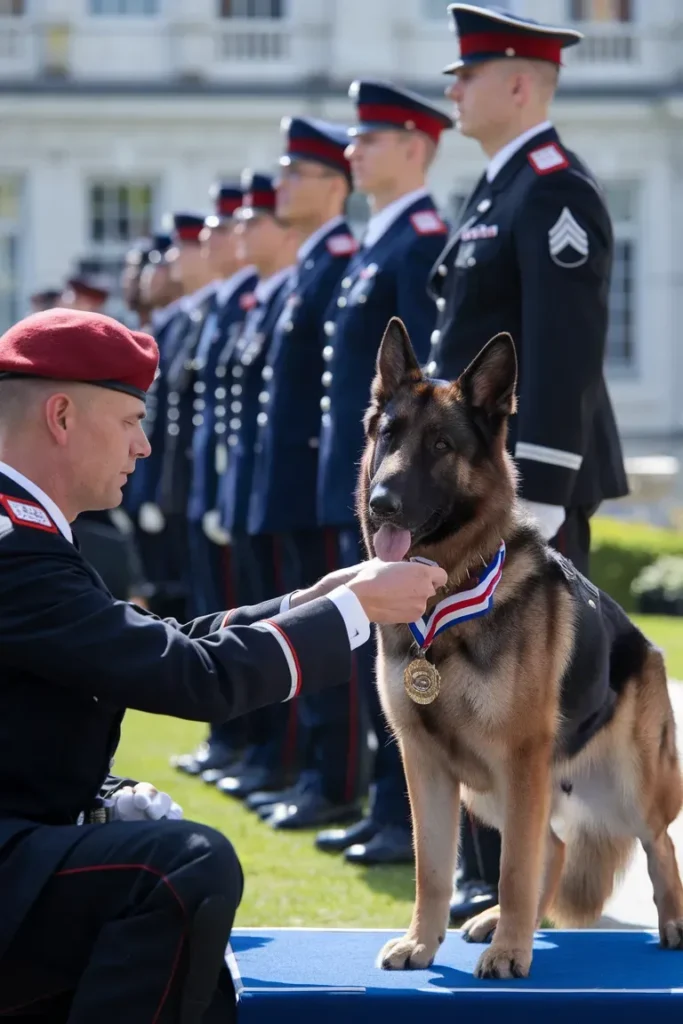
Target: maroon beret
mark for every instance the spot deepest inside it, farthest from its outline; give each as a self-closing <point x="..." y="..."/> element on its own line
<point x="69" y="344"/>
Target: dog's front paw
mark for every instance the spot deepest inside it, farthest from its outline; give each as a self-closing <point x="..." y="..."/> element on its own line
<point x="671" y="934"/>
<point x="503" y="962"/>
<point x="407" y="953"/>
<point x="482" y="927"/>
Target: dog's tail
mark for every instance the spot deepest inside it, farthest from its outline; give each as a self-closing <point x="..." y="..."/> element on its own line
<point x="593" y="863"/>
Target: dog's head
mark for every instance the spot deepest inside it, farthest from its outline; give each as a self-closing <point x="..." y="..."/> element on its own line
<point x="435" y="464"/>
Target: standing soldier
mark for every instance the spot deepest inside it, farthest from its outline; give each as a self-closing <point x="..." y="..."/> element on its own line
<point x="85" y="292"/>
<point x="532" y="256"/>
<point x="271" y="247"/>
<point x="393" y="146"/>
<point x="314" y="184"/>
<point x="137" y="259"/>
<point x="211" y="576"/>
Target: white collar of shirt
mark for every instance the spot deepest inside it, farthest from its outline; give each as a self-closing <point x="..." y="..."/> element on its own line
<point x="267" y="287"/>
<point x="228" y="287"/>
<point x="160" y="317"/>
<point x="380" y="223"/>
<point x="497" y="162"/>
<point x="309" y="245"/>
<point x="190" y="302"/>
<point x="41" y="497"/>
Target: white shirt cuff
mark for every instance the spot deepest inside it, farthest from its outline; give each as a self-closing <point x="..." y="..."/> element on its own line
<point x="351" y="610"/>
<point x="285" y="603"/>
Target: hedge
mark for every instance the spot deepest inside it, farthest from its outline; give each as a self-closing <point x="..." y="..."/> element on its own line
<point x="619" y="550"/>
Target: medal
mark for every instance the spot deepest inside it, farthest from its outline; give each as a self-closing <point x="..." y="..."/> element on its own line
<point x="422" y="681"/>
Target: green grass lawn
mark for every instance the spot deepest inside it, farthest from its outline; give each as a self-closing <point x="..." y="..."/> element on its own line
<point x="287" y="881"/>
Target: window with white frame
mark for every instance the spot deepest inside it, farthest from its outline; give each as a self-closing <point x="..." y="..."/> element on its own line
<point x="10" y="201"/>
<point x="600" y="10"/>
<point x="622" y="201"/>
<point x="119" y="213"/>
<point x="437" y="10"/>
<point x="252" y="8"/>
<point x="131" y="8"/>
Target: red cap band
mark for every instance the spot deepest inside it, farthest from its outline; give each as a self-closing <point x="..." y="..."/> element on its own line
<point x="227" y="205"/>
<point x="259" y="200"/>
<point x="402" y="118"/>
<point x="318" y="148"/>
<point x="529" y="46"/>
<point x="188" y="233"/>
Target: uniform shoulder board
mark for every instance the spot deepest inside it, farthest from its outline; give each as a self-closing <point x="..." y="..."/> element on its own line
<point x="428" y="222"/>
<point x="248" y="300"/>
<point x="27" y="513"/>
<point x="342" y="245"/>
<point x="548" y="159"/>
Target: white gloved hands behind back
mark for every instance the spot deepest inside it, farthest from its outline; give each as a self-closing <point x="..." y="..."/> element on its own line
<point x="143" y="802"/>
<point x="549" y="518"/>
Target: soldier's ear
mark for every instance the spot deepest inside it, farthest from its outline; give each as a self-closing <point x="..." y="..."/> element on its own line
<point x="396" y="365"/>
<point x="488" y="384"/>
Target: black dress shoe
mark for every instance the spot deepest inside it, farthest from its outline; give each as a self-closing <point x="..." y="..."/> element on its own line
<point x="311" y="810"/>
<point x="248" y="781"/>
<point x="336" y="840"/>
<point x="470" y="898"/>
<point x="390" y="845"/>
<point x="213" y="775"/>
<point x="269" y="797"/>
<point x="206" y="757"/>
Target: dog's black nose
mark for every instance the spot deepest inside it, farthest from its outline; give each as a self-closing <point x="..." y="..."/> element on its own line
<point x="384" y="502"/>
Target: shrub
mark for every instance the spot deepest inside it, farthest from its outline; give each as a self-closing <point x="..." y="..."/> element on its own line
<point x="621" y="550"/>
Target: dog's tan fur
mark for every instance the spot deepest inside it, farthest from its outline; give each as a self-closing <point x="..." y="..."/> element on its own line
<point x="490" y="737"/>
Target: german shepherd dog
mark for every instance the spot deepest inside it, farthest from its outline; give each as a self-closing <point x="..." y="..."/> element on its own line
<point x="553" y="721"/>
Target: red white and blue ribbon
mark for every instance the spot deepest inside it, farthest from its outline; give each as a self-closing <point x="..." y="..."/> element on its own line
<point x="460" y="607"/>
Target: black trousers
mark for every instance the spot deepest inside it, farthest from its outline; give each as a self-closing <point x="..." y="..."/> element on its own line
<point x="133" y="927"/>
<point x="479" y="858"/>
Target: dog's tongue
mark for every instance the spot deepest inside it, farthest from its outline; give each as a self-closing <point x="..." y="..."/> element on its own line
<point x="391" y="544"/>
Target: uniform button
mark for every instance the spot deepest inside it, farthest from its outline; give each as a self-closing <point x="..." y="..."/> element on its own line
<point x="308" y="265"/>
<point x="247" y="360"/>
<point x="236" y="389"/>
<point x="220" y="371"/>
<point x="174" y="414"/>
<point x="264" y="398"/>
<point x="347" y="282"/>
<point x="219" y="393"/>
<point x="288" y="326"/>
<point x="220" y="411"/>
<point x="313" y="442"/>
<point x="434" y="337"/>
<point x="325" y="403"/>
<point x="440" y="305"/>
<point x="173" y="429"/>
<point x="232" y="441"/>
<point x="235" y="424"/>
<point x="237" y="371"/>
<point x="199" y="405"/>
<point x="326" y="378"/>
<point x="189" y="364"/>
<point x="197" y="420"/>
<point x="199" y="387"/>
<point x="267" y="372"/>
<point x="341" y="301"/>
<point x="362" y="299"/>
<point x="262" y="419"/>
<point x="173" y="398"/>
<point x="326" y="420"/>
<point x="236" y="407"/>
<point x="329" y="328"/>
<point x="328" y="352"/>
<point x="443" y="269"/>
<point x="471" y="261"/>
<point x="430" y="368"/>
<point x="220" y="428"/>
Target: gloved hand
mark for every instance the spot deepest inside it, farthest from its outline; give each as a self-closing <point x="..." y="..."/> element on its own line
<point x="143" y="802"/>
<point x="211" y="524"/>
<point x="151" y="518"/>
<point x="549" y="518"/>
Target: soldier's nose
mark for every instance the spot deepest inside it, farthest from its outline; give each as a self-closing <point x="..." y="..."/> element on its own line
<point x="384" y="502"/>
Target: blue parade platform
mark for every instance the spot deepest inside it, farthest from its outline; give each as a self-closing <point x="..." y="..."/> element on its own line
<point x="591" y="977"/>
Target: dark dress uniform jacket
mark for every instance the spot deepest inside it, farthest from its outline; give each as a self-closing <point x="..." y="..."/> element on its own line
<point x="383" y="280"/>
<point x="72" y="659"/>
<point x="209" y="391"/>
<point x="283" y="495"/>
<point x="246" y="384"/>
<point x="532" y="256"/>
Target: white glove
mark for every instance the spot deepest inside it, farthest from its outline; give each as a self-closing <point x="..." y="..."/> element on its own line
<point x="143" y="802"/>
<point x="549" y="518"/>
<point x="211" y="524"/>
<point x="151" y="518"/>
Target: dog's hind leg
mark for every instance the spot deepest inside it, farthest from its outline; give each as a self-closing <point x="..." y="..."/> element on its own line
<point x="435" y="807"/>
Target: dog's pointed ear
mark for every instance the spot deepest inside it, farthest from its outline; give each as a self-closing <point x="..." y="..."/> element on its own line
<point x="396" y="359"/>
<point x="488" y="384"/>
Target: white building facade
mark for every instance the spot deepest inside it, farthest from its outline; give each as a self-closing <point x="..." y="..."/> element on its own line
<point x="113" y="112"/>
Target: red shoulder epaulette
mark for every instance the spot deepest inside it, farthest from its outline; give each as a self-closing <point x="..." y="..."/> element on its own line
<point x="548" y="158"/>
<point x="341" y="245"/>
<point x="428" y="222"/>
<point x="27" y="513"/>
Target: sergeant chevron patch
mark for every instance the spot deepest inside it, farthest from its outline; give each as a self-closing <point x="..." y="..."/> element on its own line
<point x="27" y="513"/>
<point x="568" y="242"/>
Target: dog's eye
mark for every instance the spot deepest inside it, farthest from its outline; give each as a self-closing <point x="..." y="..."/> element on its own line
<point x="441" y="444"/>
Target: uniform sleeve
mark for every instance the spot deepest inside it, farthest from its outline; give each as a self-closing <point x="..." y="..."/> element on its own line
<point x="414" y="305"/>
<point x="58" y="625"/>
<point x="564" y="249"/>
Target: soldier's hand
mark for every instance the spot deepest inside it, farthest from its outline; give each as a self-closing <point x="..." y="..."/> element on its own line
<point x="143" y="802"/>
<point x="394" y="592"/>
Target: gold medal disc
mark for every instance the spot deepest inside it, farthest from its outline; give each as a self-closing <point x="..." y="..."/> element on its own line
<point x="422" y="681"/>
